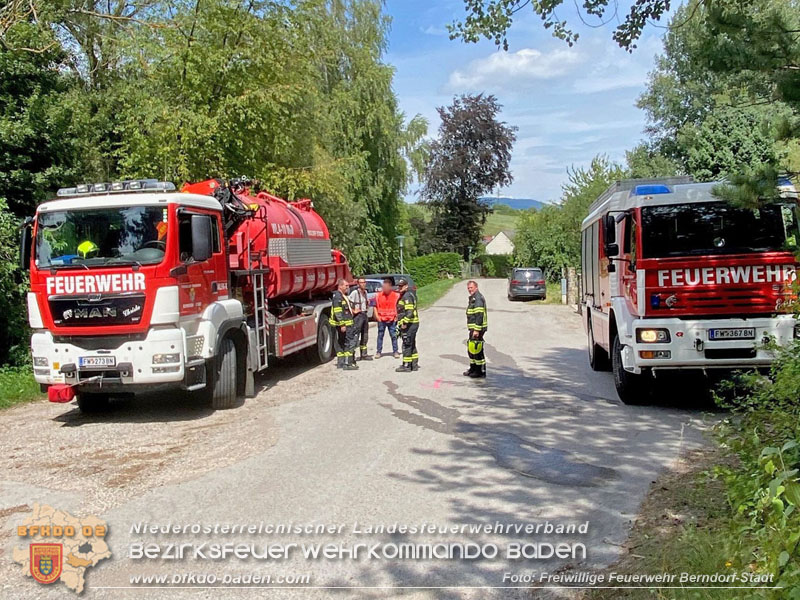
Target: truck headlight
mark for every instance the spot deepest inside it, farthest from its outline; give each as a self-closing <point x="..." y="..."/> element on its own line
<point x="652" y="336"/>
<point x="41" y="361"/>
<point x="160" y="359"/>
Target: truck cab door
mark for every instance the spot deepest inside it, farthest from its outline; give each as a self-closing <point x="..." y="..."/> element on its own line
<point x="198" y="272"/>
<point x="628" y="279"/>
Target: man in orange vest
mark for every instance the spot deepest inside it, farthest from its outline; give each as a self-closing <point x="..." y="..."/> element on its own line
<point x="386" y="310"/>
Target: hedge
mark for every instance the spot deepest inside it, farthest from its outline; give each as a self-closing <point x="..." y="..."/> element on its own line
<point x="432" y="267"/>
<point x="496" y="265"/>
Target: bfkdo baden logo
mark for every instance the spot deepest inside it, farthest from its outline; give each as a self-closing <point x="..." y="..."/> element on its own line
<point x="60" y="547"/>
<point x="46" y="562"/>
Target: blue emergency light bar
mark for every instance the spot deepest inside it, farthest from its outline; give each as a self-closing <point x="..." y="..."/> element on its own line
<point x="117" y="187"/>
<point x="650" y="190"/>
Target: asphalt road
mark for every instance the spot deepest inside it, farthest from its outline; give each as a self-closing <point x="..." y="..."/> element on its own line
<point x="543" y="438"/>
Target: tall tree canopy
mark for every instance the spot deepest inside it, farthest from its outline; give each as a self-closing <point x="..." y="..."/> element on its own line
<point x="295" y="95"/>
<point x="469" y="159"/>
<point x="491" y="19"/>
<point x="712" y="123"/>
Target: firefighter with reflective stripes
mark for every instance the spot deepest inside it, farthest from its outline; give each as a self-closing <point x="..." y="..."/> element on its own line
<point x="477" y="323"/>
<point x="408" y="322"/>
<point x="344" y="331"/>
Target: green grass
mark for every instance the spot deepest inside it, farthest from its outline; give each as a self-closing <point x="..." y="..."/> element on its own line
<point x="497" y="222"/>
<point x="17" y="386"/>
<point x="428" y="294"/>
<point x="553" y="294"/>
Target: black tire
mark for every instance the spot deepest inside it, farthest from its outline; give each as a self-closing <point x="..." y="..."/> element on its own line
<point x="632" y="389"/>
<point x="511" y="298"/>
<point x="324" y="347"/>
<point x="222" y="384"/>
<point x="92" y="403"/>
<point x="598" y="357"/>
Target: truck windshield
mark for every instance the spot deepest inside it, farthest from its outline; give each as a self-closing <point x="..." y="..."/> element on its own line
<point x="103" y="236"/>
<point x="717" y="228"/>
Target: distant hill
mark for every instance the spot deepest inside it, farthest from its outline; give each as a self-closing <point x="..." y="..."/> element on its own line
<point x="516" y="203"/>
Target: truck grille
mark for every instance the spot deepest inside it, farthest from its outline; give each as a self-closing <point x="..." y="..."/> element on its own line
<point x="85" y="311"/>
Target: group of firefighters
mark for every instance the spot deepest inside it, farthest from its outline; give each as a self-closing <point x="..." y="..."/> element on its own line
<point x="397" y="312"/>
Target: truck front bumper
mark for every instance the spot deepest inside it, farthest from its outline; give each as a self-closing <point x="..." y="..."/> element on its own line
<point x="690" y="347"/>
<point x="151" y="362"/>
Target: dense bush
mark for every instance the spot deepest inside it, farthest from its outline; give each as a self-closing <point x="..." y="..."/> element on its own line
<point x="432" y="267"/>
<point x="496" y="265"/>
<point x="763" y="488"/>
<point x="13" y="317"/>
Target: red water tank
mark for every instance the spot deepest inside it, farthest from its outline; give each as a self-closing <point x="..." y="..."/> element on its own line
<point x="288" y="239"/>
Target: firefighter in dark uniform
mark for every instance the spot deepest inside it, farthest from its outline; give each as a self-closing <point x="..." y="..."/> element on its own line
<point x="344" y="331"/>
<point x="477" y="323"/>
<point x="408" y="323"/>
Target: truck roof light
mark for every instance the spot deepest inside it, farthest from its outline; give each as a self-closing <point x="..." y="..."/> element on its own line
<point x="650" y="190"/>
<point x="134" y="185"/>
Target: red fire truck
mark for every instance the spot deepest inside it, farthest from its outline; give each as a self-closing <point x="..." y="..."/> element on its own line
<point x="675" y="278"/>
<point x="138" y="287"/>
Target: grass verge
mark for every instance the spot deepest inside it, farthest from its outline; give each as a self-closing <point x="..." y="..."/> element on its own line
<point x="684" y="526"/>
<point x="428" y="294"/>
<point x="17" y="386"/>
<point x="553" y="294"/>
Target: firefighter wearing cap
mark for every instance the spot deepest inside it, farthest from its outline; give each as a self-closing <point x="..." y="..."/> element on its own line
<point x="408" y="322"/>
<point x="344" y="333"/>
<point x="477" y="323"/>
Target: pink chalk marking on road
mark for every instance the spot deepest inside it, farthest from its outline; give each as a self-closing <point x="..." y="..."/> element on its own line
<point x="436" y="384"/>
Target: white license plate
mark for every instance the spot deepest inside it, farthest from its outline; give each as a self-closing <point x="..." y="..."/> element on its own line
<point x="737" y="333"/>
<point x="97" y="361"/>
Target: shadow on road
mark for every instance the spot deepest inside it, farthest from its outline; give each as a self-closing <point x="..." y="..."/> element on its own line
<point x="177" y="405"/>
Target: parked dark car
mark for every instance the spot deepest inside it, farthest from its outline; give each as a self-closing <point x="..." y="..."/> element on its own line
<point x="411" y="285"/>
<point x="527" y="282"/>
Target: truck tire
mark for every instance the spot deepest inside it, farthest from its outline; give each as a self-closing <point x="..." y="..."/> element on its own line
<point x="632" y="389"/>
<point x="92" y="403"/>
<point x="598" y="357"/>
<point x="223" y="380"/>
<point x="324" y="340"/>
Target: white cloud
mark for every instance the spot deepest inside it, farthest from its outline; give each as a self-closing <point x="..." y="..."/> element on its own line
<point x="433" y="30"/>
<point x="514" y="69"/>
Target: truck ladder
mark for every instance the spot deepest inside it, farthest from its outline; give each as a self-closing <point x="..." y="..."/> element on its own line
<point x="260" y="317"/>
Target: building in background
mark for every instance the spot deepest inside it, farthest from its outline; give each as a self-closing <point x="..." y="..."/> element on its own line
<point x="502" y="243"/>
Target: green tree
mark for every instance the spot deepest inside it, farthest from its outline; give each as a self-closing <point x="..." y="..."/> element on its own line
<point x="491" y="19"/>
<point x="37" y="149"/>
<point x="469" y="159"/>
<point x="550" y="238"/>
<point x="710" y="123"/>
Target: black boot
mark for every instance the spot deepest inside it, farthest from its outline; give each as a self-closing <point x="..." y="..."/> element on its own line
<point x="414" y="365"/>
<point x="403" y="368"/>
<point x="365" y="356"/>
<point x="469" y="372"/>
<point x="479" y="373"/>
<point x="351" y="364"/>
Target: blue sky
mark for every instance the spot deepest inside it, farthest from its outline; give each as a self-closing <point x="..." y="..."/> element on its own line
<point x="569" y="103"/>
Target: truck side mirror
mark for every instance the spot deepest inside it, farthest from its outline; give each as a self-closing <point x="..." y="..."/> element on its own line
<point x="201" y="238"/>
<point x="25" y="244"/>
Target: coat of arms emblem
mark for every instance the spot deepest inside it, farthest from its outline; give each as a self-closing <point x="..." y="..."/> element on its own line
<point x="46" y="562"/>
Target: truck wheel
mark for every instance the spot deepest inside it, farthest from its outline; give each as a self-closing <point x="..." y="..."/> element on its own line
<point x="324" y="340"/>
<point x="223" y="377"/>
<point x="92" y="403"/>
<point x="632" y="389"/>
<point x="598" y="358"/>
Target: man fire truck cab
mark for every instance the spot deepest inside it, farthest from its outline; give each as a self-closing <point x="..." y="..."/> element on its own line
<point x="136" y="287"/>
<point x="675" y="278"/>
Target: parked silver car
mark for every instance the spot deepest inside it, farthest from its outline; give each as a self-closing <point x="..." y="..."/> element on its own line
<point x="527" y="282"/>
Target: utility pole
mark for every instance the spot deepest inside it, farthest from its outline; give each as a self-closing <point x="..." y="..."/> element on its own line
<point x="400" y="239"/>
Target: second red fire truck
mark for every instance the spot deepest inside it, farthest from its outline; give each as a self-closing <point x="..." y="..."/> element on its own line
<point x="675" y="278"/>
